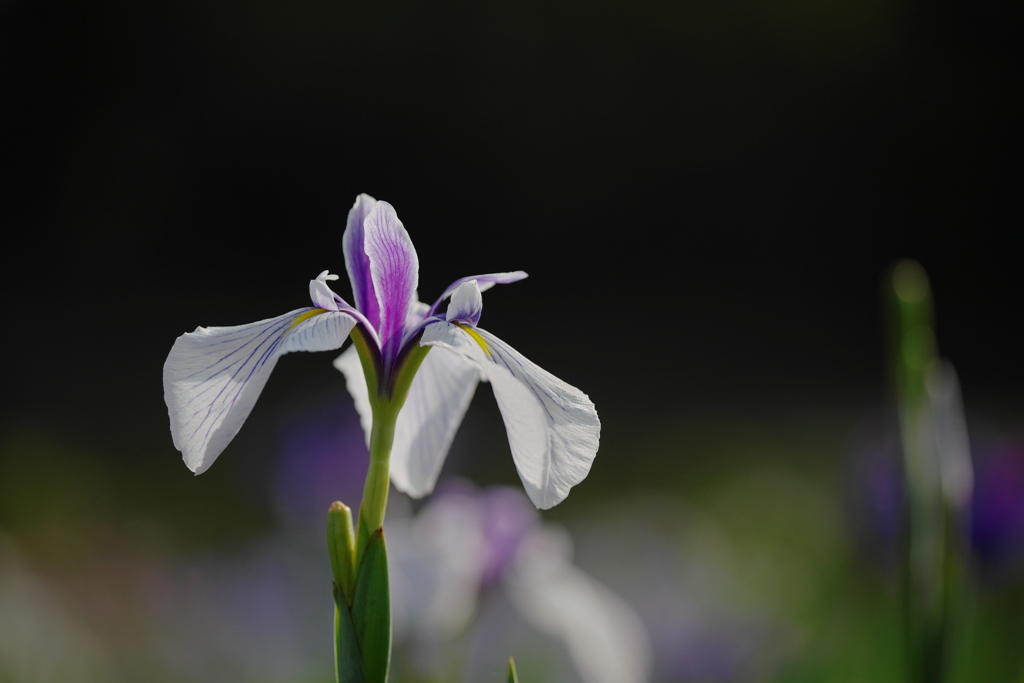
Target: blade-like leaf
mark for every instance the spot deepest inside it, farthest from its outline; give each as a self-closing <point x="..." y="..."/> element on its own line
<point x="371" y="610"/>
<point x="347" y="660"/>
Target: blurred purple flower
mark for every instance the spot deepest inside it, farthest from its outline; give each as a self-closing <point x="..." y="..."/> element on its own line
<point x="322" y="459"/>
<point x="507" y="518"/>
<point x="249" y="616"/>
<point x="995" y="514"/>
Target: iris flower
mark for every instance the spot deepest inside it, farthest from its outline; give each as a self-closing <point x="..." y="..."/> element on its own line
<point x="411" y="402"/>
<point x="466" y="545"/>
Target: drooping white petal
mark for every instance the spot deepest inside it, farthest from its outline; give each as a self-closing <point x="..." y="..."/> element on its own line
<point x="437" y="402"/>
<point x="213" y="376"/>
<point x="606" y="640"/>
<point x="355" y="380"/>
<point x="553" y="428"/>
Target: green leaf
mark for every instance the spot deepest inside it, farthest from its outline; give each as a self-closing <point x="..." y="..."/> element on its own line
<point x="341" y="544"/>
<point x="347" y="660"/>
<point x="371" y="610"/>
<point x="512" y="677"/>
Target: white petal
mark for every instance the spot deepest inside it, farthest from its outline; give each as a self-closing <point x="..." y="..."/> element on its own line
<point x="553" y="428"/>
<point x="213" y="376"/>
<point x="321" y="293"/>
<point x="605" y="638"/>
<point x="437" y="402"/>
<point x="466" y="303"/>
<point x="349" y="365"/>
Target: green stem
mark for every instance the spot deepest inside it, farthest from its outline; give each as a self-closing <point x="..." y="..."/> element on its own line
<point x="387" y="389"/>
<point x="375" y="493"/>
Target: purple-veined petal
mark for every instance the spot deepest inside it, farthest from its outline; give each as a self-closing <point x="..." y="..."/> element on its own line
<point x="394" y="268"/>
<point x="437" y="402"/>
<point x="604" y="636"/>
<point x="466" y="304"/>
<point x="553" y="428"/>
<point x="213" y="376"/>
<point x="485" y="282"/>
<point x="355" y="380"/>
<point x="357" y="262"/>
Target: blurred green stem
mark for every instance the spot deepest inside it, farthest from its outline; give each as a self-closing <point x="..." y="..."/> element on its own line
<point x="937" y="474"/>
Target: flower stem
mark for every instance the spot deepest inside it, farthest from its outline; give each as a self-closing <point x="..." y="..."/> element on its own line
<point x="387" y="386"/>
<point x="375" y="493"/>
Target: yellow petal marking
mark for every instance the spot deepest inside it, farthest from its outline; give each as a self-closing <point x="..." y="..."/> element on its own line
<point x="477" y="338"/>
<point x="303" y="317"/>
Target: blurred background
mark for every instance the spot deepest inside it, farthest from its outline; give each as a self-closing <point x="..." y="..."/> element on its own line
<point x="707" y="196"/>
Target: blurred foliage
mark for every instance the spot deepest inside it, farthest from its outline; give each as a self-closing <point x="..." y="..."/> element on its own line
<point x="751" y="516"/>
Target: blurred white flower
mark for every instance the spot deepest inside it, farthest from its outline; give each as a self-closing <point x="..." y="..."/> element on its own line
<point x="464" y="544"/>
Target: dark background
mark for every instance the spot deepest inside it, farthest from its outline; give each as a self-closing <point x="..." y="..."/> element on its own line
<point x="707" y="195"/>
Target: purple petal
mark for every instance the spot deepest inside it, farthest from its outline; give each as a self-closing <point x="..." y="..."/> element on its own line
<point x="357" y="262"/>
<point x="485" y="281"/>
<point x="394" y="269"/>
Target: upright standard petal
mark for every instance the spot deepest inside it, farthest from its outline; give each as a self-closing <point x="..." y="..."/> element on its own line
<point x="357" y="262"/>
<point x="394" y="268"/>
<point x="213" y="376"/>
<point x="553" y="428"/>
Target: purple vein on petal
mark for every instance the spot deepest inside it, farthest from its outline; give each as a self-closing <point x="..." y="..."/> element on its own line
<point x="251" y="333"/>
<point x="394" y="267"/>
<point x="233" y="388"/>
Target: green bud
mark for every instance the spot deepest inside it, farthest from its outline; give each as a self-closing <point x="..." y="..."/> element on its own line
<point x="341" y="543"/>
<point x="512" y="677"/>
